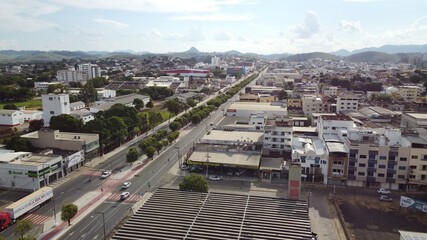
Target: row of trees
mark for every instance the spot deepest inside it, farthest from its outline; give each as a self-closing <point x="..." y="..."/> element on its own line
<point x="14" y="94"/>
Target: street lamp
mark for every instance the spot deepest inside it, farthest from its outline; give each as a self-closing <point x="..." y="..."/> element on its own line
<point x="103" y="223"/>
<point x="179" y="156"/>
<point x="207" y="164"/>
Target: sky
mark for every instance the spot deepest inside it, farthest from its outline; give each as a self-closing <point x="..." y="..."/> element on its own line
<point x="257" y="26"/>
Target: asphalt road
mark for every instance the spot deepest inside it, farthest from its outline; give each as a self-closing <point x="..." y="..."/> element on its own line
<point x="148" y="179"/>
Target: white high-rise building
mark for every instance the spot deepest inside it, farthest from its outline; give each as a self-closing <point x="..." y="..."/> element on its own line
<point x="54" y="105"/>
<point x="92" y="70"/>
<point x="215" y="61"/>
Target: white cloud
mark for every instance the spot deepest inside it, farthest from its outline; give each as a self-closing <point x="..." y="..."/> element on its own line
<point x="349" y="26"/>
<point x="221" y="36"/>
<point x="22" y="15"/>
<point x="111" y="23"/>
<point x="213" y="17"/>
<point x="165" y="6"/>
<point x="174" y="37"/>
<point x="310" y="26"/>
<point x="241" y="38"/>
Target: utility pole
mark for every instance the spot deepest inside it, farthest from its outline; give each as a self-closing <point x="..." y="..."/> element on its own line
<point x="103" y="223"/>
<point x="207" y="164"/>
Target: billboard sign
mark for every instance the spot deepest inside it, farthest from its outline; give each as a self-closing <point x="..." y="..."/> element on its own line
<point x="407" y="202"/>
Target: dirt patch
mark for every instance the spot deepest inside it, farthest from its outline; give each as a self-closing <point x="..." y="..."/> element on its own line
<point x="372" y="219"/>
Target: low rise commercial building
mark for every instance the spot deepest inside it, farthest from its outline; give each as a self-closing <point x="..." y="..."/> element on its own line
<point x="11" y="117"/>
<point x="28" y="171"/>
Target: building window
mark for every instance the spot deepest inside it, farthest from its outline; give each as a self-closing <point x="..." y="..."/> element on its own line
<point x="52" y="112"/>
<point x="50" y="98"/>
<point x="362" y="156"/>
<point x="362" y="165"/>
<point x="403" y="159"/>
<point x="401" y="176"/>
<point x="381" y="166"/>
<point x="402" y="168"/>
<point x="391" y="158"/>
<point x="380" y="174"/>
<point x="383" y="158"/>
<point x="361" y="173"/>
<point x="414" y="157"/>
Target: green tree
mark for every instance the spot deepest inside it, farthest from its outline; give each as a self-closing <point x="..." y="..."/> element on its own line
<point x="173" y="106"/>
<point x="36" y="125"/>
<point x="132" y="155"/>
<point x="10" y="106"/>
<point x="150" y="104"/>
<point x="173" y="136"/>
<point x="283" y="95"/>
<point x="175" y="125"/>
<point x="57" y="88"/>
<point x="66" y="123"/>
<point x="88" y="93"/>
<point x="22" y="227"/>
<point x="158" y="145"/>
<point x="74" y="98"/>
<point x="118" y="127"/>
<point x="194" y="183"/>
<point x="19" y="144"/>
<point x="139" y="104"/>
<point x="68" y="212"/>
<point x="191" y="102"/>
<point x="150" y="151"/>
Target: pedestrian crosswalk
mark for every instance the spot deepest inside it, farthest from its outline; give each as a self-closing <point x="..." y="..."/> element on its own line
<point x="37" y="218"/>
<point x="131" y="198"/>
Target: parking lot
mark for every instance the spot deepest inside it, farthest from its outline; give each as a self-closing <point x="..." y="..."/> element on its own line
<point x="368" y="218"/>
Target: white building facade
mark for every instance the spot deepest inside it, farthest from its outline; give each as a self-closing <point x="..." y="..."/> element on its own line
<point x="347" y="103"/>
<point x="311" y="104"/>
<point x="54" y="105"/>
<point x="11" y="117"/>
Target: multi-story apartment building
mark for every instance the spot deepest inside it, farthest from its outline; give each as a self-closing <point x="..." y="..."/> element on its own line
<point x="415" y="173"/>
<point x="311" y="104"/>
<point x="333" y="125"/>
<point x="347" y="103"/>
<point x="54" y="105"/>
<point x="312" y="156"/>
<point x="409" y="93"/>
<point x="278" y="135"/>
<point x="92" y="70"/>
<point x="330" y="91"/>
<point x="71" y="76"/>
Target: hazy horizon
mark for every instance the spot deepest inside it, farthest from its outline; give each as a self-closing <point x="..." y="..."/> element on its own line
<point x="162" y="26"/>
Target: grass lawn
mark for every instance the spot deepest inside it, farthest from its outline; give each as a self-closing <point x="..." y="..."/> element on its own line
<point x="33" y="104"/>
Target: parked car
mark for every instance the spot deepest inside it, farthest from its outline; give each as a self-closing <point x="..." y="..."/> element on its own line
<point x="184" y="167"/>
<point x="126" y="185"/>
<point x="105" y="174"/>
<point x="214" y="178"/>
<point x="196" y="169"/>
<point x="240" y="172"/>
<point x="385" y="198"/>
<point x="383" y="191"/>
<point x="124" y="195"/>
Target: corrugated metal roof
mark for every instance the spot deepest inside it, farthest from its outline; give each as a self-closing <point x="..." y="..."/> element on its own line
<point x="173" y="214"/>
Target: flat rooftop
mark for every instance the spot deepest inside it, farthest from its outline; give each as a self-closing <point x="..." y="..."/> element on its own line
<point x="69" y="136"/>
<point x="25" y="158"/>
<point x="262" y="107"/>
<point x="417" y="115"/>
<point x="243" y="159"/>
<point x="234" y="136"/>
<point x="174" y="214"/>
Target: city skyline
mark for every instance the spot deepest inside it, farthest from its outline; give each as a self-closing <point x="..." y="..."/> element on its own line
<point x="262" y="27"/>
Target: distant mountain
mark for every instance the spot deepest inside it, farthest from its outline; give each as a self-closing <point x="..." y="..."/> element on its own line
<point x="40" y="56"/>
<point x="390" y="49"/>
<point x="192" y="50"/>
<point x="305" y="56"/>
<point x="342" y="53"/>
<point x="373" y="57"/>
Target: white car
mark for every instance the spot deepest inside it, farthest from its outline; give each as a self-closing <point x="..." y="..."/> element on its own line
<point x="214" y="178"/>
<point x="385" y="198"/>
<point x="124" y="195"/>
<point x="126" y="185"/>
<point x="383" y="191"/>
<point x="105" y="174"/>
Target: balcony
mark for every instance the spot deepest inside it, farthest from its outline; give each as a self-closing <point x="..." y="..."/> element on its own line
<point x="372" y="169"/>
<point x="352" y="159"/>
<point x="389" y="170"/>
<point x="393" y="162"/>
<point x="354" y="168"/>
<point x="373" y="161"/>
